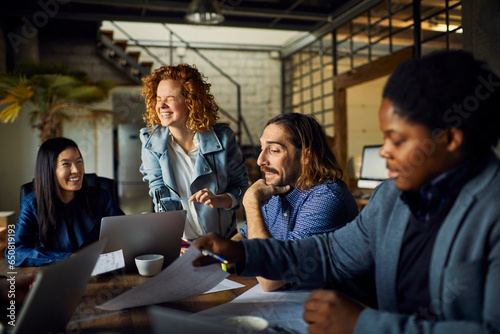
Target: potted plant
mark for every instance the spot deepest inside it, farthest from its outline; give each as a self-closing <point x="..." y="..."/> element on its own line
<point x="51" y="93"/>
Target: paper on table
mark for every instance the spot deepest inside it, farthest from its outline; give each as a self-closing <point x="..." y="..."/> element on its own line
<point x="278" y="308"/>
<point x="179" y="280"/>
<point x="108" y="262"/>
<point x="226" y="284"/>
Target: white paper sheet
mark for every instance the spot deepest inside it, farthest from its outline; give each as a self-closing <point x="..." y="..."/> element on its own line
<point x="179" y="280"/>
<point x="278" y="308"/>
<point x="226" y="284"/>
<point x="108" y="262"/>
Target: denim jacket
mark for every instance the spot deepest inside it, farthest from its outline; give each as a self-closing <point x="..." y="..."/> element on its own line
<point x="220" y="167"/>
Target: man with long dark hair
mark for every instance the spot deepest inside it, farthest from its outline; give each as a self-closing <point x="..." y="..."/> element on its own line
<point x="302" y="193"/>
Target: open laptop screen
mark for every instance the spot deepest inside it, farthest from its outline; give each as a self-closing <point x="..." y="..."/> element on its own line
<point x="373" y="168"/>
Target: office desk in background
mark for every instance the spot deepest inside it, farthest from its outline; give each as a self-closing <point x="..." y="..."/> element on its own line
<point x="89" y="319"/>
<point x="362" y="197"/>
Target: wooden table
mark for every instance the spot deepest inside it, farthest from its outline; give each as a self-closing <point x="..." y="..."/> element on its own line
<point x="89" y="319"/>
<point x="6" y="219"/>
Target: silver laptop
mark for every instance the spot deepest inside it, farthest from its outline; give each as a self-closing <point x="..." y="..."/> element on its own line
<point x="56" y="292"/>
<point x="149" y="233"/>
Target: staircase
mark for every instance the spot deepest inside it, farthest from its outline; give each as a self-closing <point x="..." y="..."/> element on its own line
<point x="115" y="52"/>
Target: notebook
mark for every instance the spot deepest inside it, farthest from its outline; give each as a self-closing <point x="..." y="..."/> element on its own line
<point x="373" y="168"/>
<point x="149" y="233"/>
<point x="56" y="292"/>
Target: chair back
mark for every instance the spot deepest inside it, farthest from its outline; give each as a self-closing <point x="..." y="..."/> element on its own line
<point x="92" y="180"/>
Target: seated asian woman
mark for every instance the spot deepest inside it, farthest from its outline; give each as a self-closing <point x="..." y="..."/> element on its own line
<point x="63" y="214"/>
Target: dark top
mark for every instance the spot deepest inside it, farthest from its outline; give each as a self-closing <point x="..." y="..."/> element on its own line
<point x="75" y="229"/>
<point x="429" y="207"/>
<point x="414" y="263"/>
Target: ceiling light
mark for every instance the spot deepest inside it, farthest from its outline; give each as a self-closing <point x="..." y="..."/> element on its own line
<point x="204" y="12"/>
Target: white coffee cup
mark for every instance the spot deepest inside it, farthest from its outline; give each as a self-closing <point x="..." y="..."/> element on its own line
<point x="149" y="264"/>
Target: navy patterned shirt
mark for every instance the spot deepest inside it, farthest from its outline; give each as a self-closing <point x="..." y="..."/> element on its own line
<point x="301" y="214"/>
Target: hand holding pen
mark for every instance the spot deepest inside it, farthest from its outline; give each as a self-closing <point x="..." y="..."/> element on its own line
<point x="231" y="251"/>
<point x="208" y="253"/>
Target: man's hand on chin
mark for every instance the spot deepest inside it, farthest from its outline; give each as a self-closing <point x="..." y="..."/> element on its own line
<point x="260" y="193"/>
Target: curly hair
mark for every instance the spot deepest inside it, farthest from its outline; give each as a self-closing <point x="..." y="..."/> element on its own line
<point x="196" y="91"/>
<point x="318" y="162"/>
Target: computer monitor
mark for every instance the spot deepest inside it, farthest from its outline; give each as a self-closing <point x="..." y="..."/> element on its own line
<point x="373" y="168"/>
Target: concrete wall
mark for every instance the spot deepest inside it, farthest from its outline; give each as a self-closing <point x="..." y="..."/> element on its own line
<point x="18" y="147"/>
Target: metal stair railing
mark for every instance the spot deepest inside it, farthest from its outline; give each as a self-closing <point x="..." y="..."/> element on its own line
<point x="137" y="43"/>
<point x="123" y="59"/>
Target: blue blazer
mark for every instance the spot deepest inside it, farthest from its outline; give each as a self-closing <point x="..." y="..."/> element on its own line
<point x="464" y="275"/>
<point x="220" y="167"/>
<point x="75" y="229"/>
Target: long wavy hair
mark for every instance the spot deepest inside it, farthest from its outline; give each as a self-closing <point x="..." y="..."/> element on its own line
<point x="47" y="187"/>
<point x="318" y="162"/>
<point x="196" y="91"/>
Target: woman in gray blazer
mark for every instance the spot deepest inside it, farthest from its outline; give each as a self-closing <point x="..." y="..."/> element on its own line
<point x="427" y="246"/>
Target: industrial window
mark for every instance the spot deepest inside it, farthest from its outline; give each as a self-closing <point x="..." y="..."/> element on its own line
<point x="308" y="77"/>
<point x="387" y="27"/>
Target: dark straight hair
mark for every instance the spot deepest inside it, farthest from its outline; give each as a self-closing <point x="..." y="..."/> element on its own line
<point x="317" y="160"/>
<point x="47" y="187"/>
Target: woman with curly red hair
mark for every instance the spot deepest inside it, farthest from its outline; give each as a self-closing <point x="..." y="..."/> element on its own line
<point x="187" y="154"/>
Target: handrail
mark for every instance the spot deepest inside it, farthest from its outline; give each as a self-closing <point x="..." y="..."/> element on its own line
<point x="137" y="43"/>
<point x="112" y="47"/>
<point x="231" y="118"/>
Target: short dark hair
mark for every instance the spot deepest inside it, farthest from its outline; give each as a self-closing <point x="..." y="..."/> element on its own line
<point x="47" y="186"/>
<point x="307" y="135"/>
<point x="449" y="89"/>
